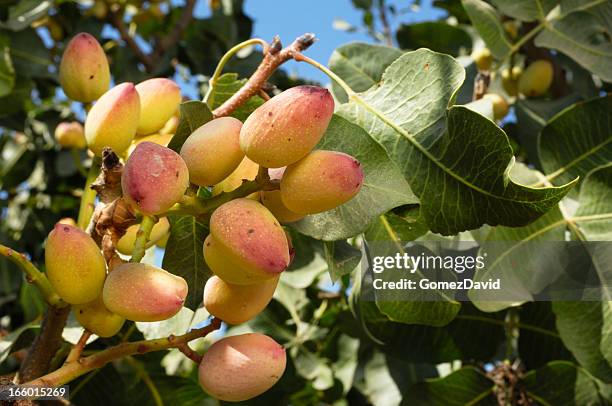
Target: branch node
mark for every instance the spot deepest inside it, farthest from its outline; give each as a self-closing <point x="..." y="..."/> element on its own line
<point x="276" y="46"/>
<point x="306" y="40"/>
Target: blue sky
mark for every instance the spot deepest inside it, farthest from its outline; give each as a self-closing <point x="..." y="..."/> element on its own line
<point x="291" y="18"/>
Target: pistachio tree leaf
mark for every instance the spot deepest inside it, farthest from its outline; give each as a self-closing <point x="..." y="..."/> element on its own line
<point x="469" y="385"/>
<point x="487" y="22"/>
<point x="360" y="65"/>
<point x="573" y="385"/>
<point x="226" y="86"/>
<point x="580" y="29"/>
<point x="577" y="140"/>
<point x="455" y="160"/>
<point x="525" y="10"/>
<point x="435" y="35"/>
<point x="184" y="256"/>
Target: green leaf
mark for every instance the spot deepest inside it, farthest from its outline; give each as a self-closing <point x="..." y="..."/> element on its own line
<point x="572" y="385"/>
<point x="384" y="186"/>
<point x="435" y="35"/>
<point x="487" y="22"/>
<point x="466" y="386"/>
<point x="341" y="257"/>
<point x="193" y="115"/>
<point x="539" y="341"/>
<point x="577" y="140"/>
<point x="29" y="55"/>
<point x="24" y="13"/>
<point x="514" y="261"/>
<point x="360" y="65"/>
<point x="184" y="256"/>
<point x="31" y="301"/>
<point x="581" y="31"/>
<point x="7" y="342"/>
<point x="226" y="86"/>
<point x="403" y="224"/>
<point x="532" y="115"/>
<point x="525" y="10"/>
<point x="594" y="215"/>
<point x="585" y="329"/>
<point x="7" y="72"/>
<point x="100" y="387"/>
<point x="458" y="189"/>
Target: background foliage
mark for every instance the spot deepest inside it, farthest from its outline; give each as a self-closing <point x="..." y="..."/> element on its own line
<point x="420" y="140"/>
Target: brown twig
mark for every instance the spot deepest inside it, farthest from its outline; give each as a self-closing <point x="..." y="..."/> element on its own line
<point x="189" y="353"/>
<point x="481" y="84"/>
<point x="275" y="56"/>
<point x="174" y="36"/>
<point x="386" y="28"/>
<point x="73" y="370"/>
<point x="77" y="349"/>
<point x="45" y="345"/>
<point x="164" y="44"/>
<point x="264" y="95"/>
<point x="116" y="19"/>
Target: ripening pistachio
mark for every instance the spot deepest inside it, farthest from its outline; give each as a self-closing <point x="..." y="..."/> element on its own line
<point x="536" y="79"/>
<point x="70" y="135"/>
<point x="500" y="105"/>
<point x="159" y="101"/>
<point x="84" y="73"/>
<point x="155" y="138"/>
<point x="246" y="243"/>
<point x="235" y="304"/>
<point x="75" y="266"/>
<point x="154" y="178"/>
<point x="241" y="367"/>
<point x="170" y="126"/>
<point x="247" y="170"/>
<point x="483" y="58"/>
<point x="510" y="80"/>
<point x="163" y="241"/>
<point x="272" y="200"/>
<point x="212" y="152"/>
<point x="68" y="220"/>
<point x="96" y="318"/>
<point x="142" y="292"/>
<point x="288" y="126"/>
<point x="113" y="120"/>
<point x="321" y="181"/>
<point x="125" y="245"/>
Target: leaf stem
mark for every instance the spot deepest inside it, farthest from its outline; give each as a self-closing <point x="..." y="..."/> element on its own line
<point x="76" y="157"/>
<point x="189" y="353"/>
<point x="89" y="195"/>
<point x="212" y="82"/>
<point x="73" y="370"/>
<point x="195" y="206"/>
<point x="142" y="237"/>
<point x="274" y="56"/>
<point x="303" y="58"/>
<point x="77" y="349"/>
<point x="517" y="45"/>
<point x="33" y="275"/>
